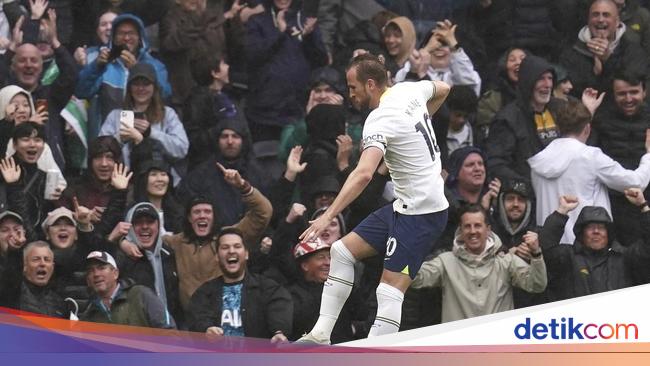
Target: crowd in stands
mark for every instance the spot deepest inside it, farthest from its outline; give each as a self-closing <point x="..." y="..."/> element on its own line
<point x="159" y="158"/>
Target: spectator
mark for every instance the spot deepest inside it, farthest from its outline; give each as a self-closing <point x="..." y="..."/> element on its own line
<point x="563" y="87"/>
<point x="190" y="30"/>
<point x="399" y="43"/>
<point x="501" y="94"/>
<point x="207" y="179"/>
<point x="596" y="262"/>
<point x="525" y="126"/>
<point x="154" y="184"/>
<point x="313" y="262"/>
<point x="602" y="47"/>
<point x="36" y="292"/>
<point x="106" y="76"/>
<point x="25" y="183"/>
<point x="455" y="128"/>
<point x="12" y="233"/>
<point x="619" y="130"/>
<point x="240" y="303"/>
<point x="151" y="263"/>
<point x="27" y="72"/>
<point x="567" y="166"/>
<point x="338" y="17"/>
<point x="441" y="59"/>
<point x="121" y="301"/>
<point x="282" y="49"/>
<point x="637" y="19"/>
<point x="195" y="246"/>
<point x="157" y="132"/>
<point x="514" y="216"/>
<point x="475" y="280"/>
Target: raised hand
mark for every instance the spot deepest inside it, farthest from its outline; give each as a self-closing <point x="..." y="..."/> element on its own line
<point x="446" y="33"/>
<point x="309" y="26"/>
<point x="40" y="116"/>
<point x="591" y="100"/>
<point x="49" y="26"/>
<point x="37" y="8"/>
<point x="232" y="177"/>
<point x="343" y="152"/>
<point x="81" y="55"/>
<point x="17" y="34"/>
<point x="567" y="204"/>
<point x="128" y="133"/>
<point x="294" y="167"/>
<point x="119" y="231"/>
<point x="120" y="177"/>
<point x="635" y="196"/>
<point x="10" y="170"/>
<point x="531" y="239"/>
<point x="493" y="191"/>
<point x="281" y="21"/>
<point x="128" y="59"/>
<point x="316" y="227"/>
<point x="141" y="125"/>
<point x="234" y="10"/>
<point x="82" y="214"/>
<point x="104" y="54"/>
<point x="297" y="211"/>
<point x="10" y="110"/>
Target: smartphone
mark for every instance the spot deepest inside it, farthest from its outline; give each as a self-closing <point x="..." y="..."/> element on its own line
<point x="127" y="118"/>
<point x="41" y="105"/>
<point x="139" y="115"/>
<point x="116" y="51"/>
<point x="310" y="8"/>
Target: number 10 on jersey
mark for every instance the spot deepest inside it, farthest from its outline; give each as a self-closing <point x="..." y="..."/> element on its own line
<point x="426" y="129"/>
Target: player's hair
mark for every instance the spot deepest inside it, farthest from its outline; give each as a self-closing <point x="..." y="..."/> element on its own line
<point x="368" y="67"/>
<point x="473" y="208"/>
<point x="572" y="117"/>
<point x="462" y="99"/>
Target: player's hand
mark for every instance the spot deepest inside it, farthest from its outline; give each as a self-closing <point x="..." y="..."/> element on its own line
<point x="567" y="204"/>
<point x="316" y="227"/>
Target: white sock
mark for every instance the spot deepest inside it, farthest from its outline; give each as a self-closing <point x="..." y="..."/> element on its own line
<point x="389" y="310"/>
<point x="335" y="290"/>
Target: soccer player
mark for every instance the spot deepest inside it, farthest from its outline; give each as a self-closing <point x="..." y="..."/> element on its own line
<point x="398" y="130"/>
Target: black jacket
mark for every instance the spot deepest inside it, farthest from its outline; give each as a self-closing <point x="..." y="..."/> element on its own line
<point x="266" y="307"/>
<point x="513" y="136"/>
<point x="579" y="61"/>
<point x="575" y="270"/>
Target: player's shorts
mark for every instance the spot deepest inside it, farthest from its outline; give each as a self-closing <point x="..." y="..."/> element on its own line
<point x="405" y="239"/>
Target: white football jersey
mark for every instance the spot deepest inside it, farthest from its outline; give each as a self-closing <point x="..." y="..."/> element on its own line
<point x="402" y="129"/>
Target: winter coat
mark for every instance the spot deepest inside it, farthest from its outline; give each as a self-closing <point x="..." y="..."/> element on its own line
<point x="575" y="270"/>
<point x="474" y="285"/>
<point x="569" y="167"/>
<point x="266" y="307"/>
<point x="279" y="66"/>
<point x="41" y="300"/>
<point x="110" y="81"/>
<point x="196" y="262"/>
<point x="141" y="270"/>
<point x="579" y="62"/>
<point x="513" y="136"/>
<point x="188" y="36"/>
<point x="133" y="305"/>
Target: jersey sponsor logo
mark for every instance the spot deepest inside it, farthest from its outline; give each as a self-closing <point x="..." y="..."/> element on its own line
<point x="232" y="318"/>
<point x="368" y="140"/>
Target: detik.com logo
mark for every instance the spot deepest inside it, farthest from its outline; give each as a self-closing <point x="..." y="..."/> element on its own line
<point x="568" y="328"/>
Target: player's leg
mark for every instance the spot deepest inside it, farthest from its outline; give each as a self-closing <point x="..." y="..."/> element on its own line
<point x="410" y="241"/>
<point x="344" y="254"/>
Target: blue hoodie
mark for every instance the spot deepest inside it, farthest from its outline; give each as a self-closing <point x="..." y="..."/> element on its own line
<point x="110" y="81"/>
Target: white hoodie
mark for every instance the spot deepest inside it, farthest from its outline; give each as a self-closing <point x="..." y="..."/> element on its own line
<point x="569" y="167"/>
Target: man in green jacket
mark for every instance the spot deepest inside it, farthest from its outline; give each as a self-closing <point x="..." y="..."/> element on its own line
<point x="121" y="302"/>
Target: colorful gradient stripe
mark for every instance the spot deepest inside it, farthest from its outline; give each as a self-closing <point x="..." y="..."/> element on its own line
<point x="32" y="339"/>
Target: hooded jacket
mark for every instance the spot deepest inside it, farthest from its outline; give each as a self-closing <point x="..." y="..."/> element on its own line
<point x="474" y="285"/>
<point x="569" y="167"/>
<point x="408" y="40"/>
<point x="513" y="136"/>
<point x="110" y="81"/>
<point x="156" y="268"/>
<point x="46" y="161"/>
<point x="576" y="270"/>
<point x="510" y="236"/>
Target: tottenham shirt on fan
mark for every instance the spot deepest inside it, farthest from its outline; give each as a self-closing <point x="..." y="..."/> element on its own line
<point x="231" y="316"/>
<point x="401" y="127"/>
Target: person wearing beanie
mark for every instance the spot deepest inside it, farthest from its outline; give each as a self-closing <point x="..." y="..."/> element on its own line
<point x="195" y="246"/>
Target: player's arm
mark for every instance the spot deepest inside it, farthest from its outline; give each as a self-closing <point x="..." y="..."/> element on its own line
<point x="352" y="188"/>
<point x="440" y="92"/>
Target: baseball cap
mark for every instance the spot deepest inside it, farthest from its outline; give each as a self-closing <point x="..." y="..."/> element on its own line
<point x="142" y="70"/>
<point x="307" y="247"/>
<point x="102" y="257"/>
<point x="516" y="186"/>
<point x="145" y="210"/>
<point x="5" y="214"/>
<point x="54" y="215"/>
